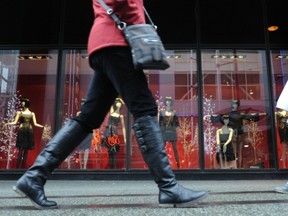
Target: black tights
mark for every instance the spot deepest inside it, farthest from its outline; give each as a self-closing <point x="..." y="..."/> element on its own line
<point x="22" y="156"/>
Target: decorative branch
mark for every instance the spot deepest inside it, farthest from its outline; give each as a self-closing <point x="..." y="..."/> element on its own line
<point x="8" y="134"/>
<point x="254" y="136"/>
<point x="210" y="130"/>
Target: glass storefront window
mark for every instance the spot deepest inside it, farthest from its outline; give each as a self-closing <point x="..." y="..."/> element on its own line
<point x="105" y="148"/>
<point x="279" y="65"/>
<point x="235" y="96"/>
<point x="31" y="76"/>
<point x="178" y="84"/>
<point x="175" y="91"/>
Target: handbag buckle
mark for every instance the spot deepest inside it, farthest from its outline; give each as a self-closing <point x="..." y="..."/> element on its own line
<point x="122" y="25"/>
<point x="109" y="11"/>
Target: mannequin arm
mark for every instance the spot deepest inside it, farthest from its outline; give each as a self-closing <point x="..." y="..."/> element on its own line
<point x="229" y="140"/>
<point x="230" y="136"/>
<point x="15" y="120"/>
<point x="123" y="128"/>
<point x="218" y="140"/>
<point x="35" y="121"/>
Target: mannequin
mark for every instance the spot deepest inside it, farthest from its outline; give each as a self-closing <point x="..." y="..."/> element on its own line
<point x="84" y="147"/>
<point x="225" y="150"/>
<point x="111" y="138"/>
<point x="25" y="136"/>
<point x="282" y="120"/>
<point x="168" y="121"/>
<point x="236" y="121"/>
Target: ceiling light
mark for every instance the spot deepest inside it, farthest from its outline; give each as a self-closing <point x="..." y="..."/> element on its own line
<point x="281" y="57"/>
<point x="228" y="56"/>
<point x="84" y="56"/>
<point x="34" y="57"/>
<point x="173" y="56"/>
<point x="272" y="28"/>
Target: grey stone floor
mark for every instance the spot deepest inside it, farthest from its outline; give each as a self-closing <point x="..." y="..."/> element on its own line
<point x="139" y="198"/>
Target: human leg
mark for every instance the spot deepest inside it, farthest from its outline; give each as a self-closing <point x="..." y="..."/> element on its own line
<point x="133" y="88"/>
<point x="60" y="146"/>
<point x="150" y="141"/>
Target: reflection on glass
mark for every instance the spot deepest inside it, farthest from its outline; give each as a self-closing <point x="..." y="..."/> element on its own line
<point x="32" y="78"/>
<point x="175" y="91"/>
<point x="234" y="85"/>
<point x="279" y="62"/>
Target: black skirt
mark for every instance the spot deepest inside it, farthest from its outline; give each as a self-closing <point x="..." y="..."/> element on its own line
<point x="25" y="138"/>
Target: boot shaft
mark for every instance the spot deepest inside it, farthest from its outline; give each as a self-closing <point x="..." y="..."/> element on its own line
<point x="149" y="137"/>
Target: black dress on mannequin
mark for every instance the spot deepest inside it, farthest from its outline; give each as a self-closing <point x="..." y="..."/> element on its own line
<point x="111" y="132"/>
<point x="236" y="122"/>
<point x="25" y="138"/>
<point x="168" y="121"/>
<point x="283" y="128"/>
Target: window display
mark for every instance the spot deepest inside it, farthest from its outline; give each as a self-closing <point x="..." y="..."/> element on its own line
<point x="112" y="138"/>
<point x="168" y="120"/>
<point x="25" y="136"/>
<point x="279" y="59"/>
<point x="225" y="152"/>
<point x="32" y="75"/>
<point x="233" y="85"/>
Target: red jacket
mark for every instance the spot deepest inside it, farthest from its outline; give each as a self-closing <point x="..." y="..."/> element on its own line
<point x="104" y="32"/>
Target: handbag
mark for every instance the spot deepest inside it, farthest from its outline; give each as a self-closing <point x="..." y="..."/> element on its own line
<point x="146" y="46"/>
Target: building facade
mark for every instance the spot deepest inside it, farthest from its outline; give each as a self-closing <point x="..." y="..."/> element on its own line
<point x="224" y="61"/>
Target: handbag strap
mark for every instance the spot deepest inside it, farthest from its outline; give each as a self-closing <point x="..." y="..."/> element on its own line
<point x="121" y="25"/>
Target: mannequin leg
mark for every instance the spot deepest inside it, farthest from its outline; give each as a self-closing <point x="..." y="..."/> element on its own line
<point x="25" y="154"/>
<point x="19" y="157"/>
<point x="86" y="155"/>
<point x="80" y="159"/>
<point x="240" y="145"/>
<point x="112" y="159"/>
<point x="176" y="155"/>
<point x="284" y="155"/>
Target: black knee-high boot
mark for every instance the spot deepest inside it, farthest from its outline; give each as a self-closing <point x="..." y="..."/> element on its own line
<point x="31" y="184"/>
<point x="150" y="141"/>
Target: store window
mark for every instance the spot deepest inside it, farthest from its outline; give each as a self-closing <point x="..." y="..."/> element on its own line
<point x="279" y="60"/>
<point x="175" y="91"/>
<point x="235" y="97"/>
<point x="30" y="76"/>
<point x="105" y="148"/>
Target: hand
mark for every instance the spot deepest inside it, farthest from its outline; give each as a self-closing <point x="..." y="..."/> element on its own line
<point x="218" y="148"/>
<point x="224" y="148"/>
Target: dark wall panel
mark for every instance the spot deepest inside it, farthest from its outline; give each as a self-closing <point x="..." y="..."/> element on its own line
<point x="232" y="22"/>
<point x="29" y="22"/>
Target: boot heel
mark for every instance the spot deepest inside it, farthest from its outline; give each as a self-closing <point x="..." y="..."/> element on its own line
<point x="191" y="204"/>
<point x="19" y="191"/>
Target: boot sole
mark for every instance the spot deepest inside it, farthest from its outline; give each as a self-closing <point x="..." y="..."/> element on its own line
<point x="191" y="204"/>
<point x="22" y="194"/>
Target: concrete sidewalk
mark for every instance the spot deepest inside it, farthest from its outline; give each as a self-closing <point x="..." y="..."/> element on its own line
<point x="139" y="198"/>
